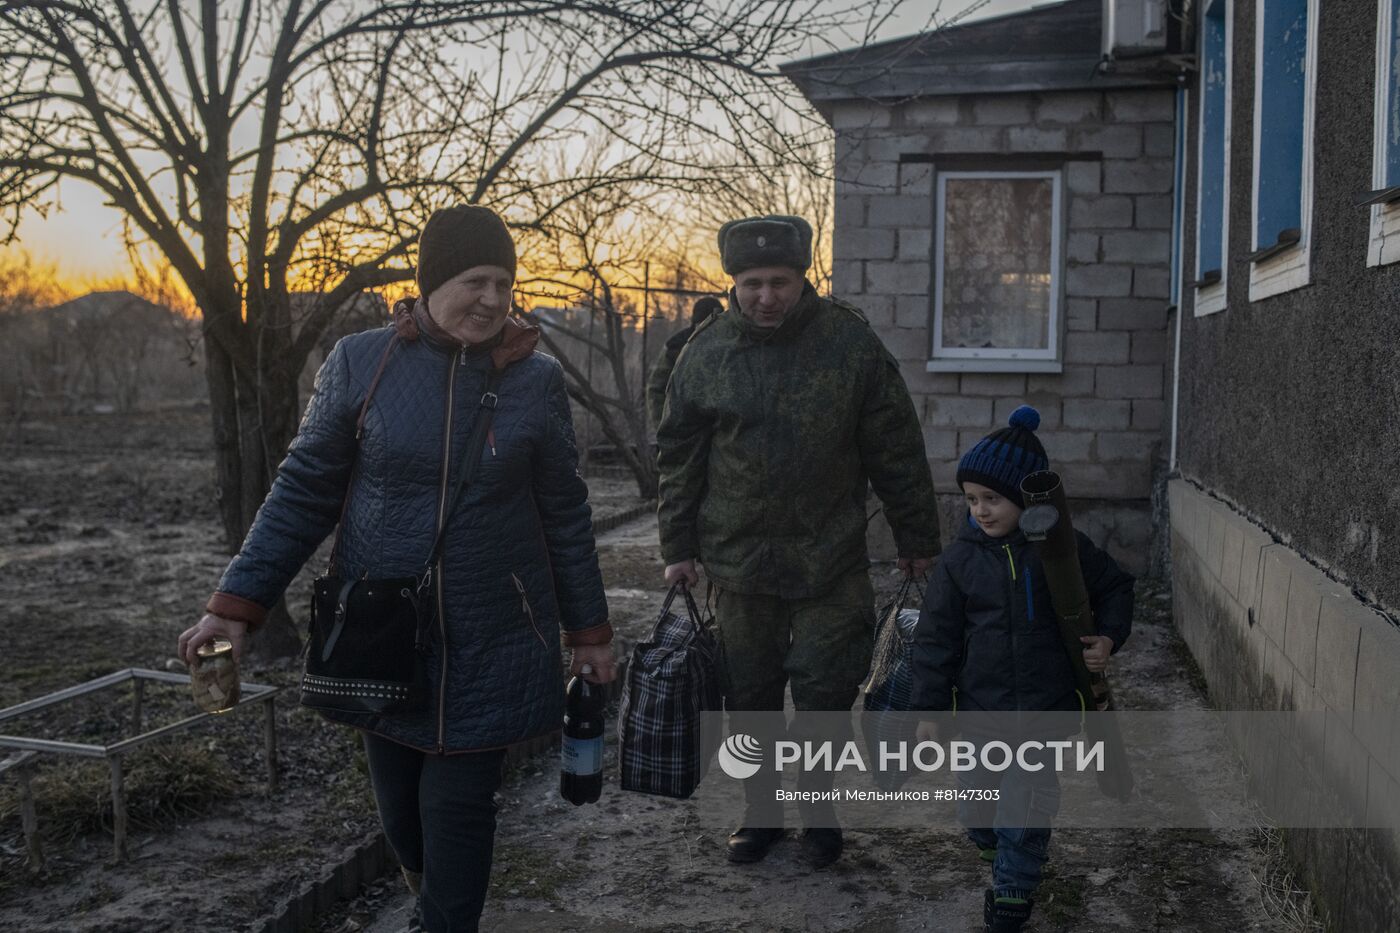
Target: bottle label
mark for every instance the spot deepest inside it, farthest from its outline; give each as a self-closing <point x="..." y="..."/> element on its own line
<point x="582" y="756"/>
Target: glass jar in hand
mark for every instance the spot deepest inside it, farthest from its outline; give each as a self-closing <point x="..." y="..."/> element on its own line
<point x="214" y="677"/>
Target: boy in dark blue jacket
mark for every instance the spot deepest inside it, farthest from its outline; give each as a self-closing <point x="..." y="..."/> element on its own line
<point x="988" y="639"/>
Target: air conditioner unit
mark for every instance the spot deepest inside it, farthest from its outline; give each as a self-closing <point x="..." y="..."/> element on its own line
<point x="1134" y="27"/>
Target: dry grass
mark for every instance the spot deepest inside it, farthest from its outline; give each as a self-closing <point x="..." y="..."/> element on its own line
<point x="164" y="783"/>
<point x="1288" y="904"/>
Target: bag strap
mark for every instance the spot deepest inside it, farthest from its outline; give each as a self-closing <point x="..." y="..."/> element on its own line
<point x="694" y="610"/>
<point x="359" y="430"/>
<point x="902" y="596"/>
<point x="476" y="445"/>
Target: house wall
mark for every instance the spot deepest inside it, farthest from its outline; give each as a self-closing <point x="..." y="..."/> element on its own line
<point x="1285" y="526"/>
<point x="1289" y="405"/>
<point x="1103" y="417"/>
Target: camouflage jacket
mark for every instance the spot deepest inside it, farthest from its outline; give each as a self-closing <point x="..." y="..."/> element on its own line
<point x="767" y="442"/>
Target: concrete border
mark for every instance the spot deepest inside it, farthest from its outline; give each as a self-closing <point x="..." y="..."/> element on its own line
<point x="621" y="518"/>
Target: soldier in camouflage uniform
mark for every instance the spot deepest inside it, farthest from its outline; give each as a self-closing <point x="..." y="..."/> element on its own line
<point x="780" y="410"/>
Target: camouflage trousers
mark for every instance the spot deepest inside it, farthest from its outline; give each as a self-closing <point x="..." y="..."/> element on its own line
<point x="820" y="646"/>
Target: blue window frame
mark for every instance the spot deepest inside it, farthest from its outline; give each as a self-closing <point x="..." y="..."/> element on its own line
<point x="1388" y="93"/>
<point x="1281" y="103"/>
<point x="1384" y="200"/>
<point x="1214" y="143"/>
<point x="1387" y="174"/>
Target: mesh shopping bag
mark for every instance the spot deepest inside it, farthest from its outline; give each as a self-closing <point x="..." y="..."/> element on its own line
<point x="671" y="680"/>
<point x="889" y="689"/>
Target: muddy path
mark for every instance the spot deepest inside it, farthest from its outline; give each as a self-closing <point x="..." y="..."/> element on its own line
<point x="638" y="863"/>
<point x="109" y="545"/>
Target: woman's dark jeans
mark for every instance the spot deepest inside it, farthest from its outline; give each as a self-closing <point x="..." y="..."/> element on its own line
<point x="439" y="813"/>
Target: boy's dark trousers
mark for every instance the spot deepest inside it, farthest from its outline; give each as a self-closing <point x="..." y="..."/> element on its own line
<point x="1017" y="825"/>
<point x="439" y="814"/>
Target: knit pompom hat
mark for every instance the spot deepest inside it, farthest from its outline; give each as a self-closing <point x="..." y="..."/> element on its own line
<point x="1003" y="458"/>
<point x="459" y="238"/>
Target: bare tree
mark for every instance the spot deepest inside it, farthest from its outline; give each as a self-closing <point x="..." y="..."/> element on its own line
<point x="267" y="145"/>
<point x="599" y="246"/>
<point x="803" y="186"/>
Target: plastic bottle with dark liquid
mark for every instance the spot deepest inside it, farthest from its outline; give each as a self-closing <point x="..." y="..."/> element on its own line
<point x="581" y="754"/>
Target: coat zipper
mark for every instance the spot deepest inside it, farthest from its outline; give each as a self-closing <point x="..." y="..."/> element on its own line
<point x="1030" y="596"/>
<point x="442" y="518"/>
<point x="764" y="454"/>
<point x="1011" y="625"/>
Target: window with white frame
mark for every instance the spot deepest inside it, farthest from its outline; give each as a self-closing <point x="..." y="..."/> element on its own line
<point x="1384" y="201"/>
<point x="1285" y="77"/>
<point x="997" y="245"/>
<point x="1213" y="158"/>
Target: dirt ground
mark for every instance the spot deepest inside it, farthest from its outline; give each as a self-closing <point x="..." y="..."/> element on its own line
<point x="109" y="544"/>
<point x="638" y="863"/>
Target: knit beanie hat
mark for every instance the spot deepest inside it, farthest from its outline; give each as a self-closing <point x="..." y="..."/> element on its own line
<point x="772" y="240"/>
<point x="1003" y="458"/>
<point x="459" y="238"/>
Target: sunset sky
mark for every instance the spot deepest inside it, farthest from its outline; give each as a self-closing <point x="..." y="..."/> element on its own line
<point x="82" y="239"/>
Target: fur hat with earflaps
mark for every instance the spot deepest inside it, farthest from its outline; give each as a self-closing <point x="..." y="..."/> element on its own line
<point x="772" y="240"/>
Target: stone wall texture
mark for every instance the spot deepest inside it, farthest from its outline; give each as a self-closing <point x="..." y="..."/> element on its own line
<point x="1104" y="417"/>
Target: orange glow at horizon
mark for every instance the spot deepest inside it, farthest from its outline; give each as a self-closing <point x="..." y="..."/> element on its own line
<point x="540" y="278"/>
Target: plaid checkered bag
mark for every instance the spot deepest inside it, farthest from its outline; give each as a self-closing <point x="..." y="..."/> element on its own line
<point x="671" y="680"/>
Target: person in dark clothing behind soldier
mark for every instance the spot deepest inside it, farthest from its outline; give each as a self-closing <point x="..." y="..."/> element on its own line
<point x="780" y="411"/>
<point x="661" y="372"/>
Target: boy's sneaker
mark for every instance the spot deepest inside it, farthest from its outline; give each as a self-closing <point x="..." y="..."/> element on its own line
<point x="751" y="843"/>
<point x="987" y="855"/>
<point x="821" y="846"/>
<point x="1005" y="914"/>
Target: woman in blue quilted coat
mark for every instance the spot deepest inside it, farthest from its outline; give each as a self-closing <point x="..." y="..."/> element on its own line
<point x="518" y="570"/>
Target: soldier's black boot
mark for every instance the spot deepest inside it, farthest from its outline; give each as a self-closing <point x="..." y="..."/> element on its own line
<point x="1005" y="914"/>
<point x="821" y="846"/>
<point x="751" y="843"/>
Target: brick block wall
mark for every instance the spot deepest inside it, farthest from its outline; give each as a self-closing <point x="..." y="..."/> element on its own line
<point x="1116" y="151"/>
